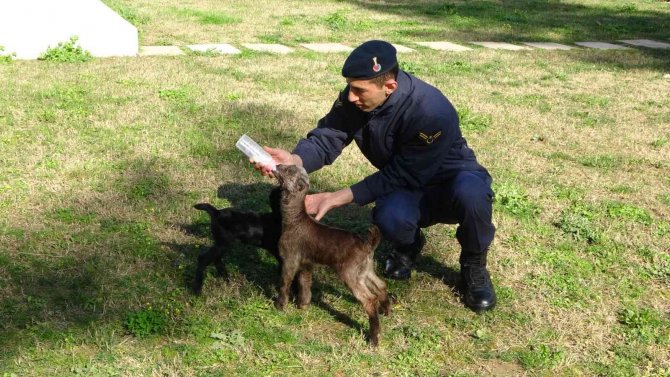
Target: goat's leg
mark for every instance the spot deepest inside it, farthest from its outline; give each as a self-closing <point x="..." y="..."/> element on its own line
<point x="304" y="287"/>
<point x="218" y="263"/>
<point x="378" y="288"/>
<point x="213" y="254"/>
<point x="367" y="298"/>
<point x="288" y="270"/>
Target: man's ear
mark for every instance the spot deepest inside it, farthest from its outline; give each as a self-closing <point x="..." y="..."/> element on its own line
<point x="390" y="86"/>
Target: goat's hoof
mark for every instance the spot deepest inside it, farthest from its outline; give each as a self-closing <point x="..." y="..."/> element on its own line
<point x="374" y="342"/>
<point x="279" y="304"/>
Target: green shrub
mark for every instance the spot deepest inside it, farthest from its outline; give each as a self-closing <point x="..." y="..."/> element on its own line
<point x="66" y="52"/>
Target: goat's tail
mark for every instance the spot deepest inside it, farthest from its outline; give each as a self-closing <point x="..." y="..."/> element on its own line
<point x="206" y="207"/>
<point x="374" y="237"/>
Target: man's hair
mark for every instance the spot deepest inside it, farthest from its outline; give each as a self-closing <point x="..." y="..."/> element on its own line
<point x="381" y="79"/>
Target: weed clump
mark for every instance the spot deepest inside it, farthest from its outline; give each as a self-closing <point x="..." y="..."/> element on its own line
<point x="5" y="58"/>
<point x="577" y="222"/>
<point x="472" y="121"/>
<point x="66" y="52"/>
<point x="514" y="201"/>
<point x="146" y="322"/>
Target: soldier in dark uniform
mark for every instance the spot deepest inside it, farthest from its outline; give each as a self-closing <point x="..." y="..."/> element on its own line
<point x="427" y="173"/>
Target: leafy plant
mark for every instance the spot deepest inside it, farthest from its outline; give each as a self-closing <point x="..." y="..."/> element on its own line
<point x="659" y="267"/>
<point x="576" y="221"/>
<point x="514" y="201"/>
<point x="6" y="58"/>
<point x="66" y="52"/>
<point x="474" y="122"/>
<point x="643" y="324"/>
<point x="627" y="211"/>
<point x="146" y="322"/>
<point x="174" y="95"/>
<point x="539" y="356"/>
<point x="336" y="21"/>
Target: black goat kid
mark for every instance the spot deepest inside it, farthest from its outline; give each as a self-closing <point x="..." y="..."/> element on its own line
<point x="228" y="225"/>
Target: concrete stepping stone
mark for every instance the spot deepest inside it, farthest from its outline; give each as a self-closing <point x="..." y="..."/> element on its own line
<point x="646" y="43"/>
<point x="273" y="48"/>
<point x="444" y="46"/>
<point x="160" y="51"/>
<point x="548" y="45"/>
<point x="601" y="45"/>
<point x="221" y="48"/>
<point x="326" y="47"/>
<point x="401" y="48"/>
<point x="501" y="46"/>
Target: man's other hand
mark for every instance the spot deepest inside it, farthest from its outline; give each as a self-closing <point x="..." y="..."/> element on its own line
<point x="319" y="204"/>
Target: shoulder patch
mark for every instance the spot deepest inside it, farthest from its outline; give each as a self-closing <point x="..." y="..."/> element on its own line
<point x="429" y="139"/>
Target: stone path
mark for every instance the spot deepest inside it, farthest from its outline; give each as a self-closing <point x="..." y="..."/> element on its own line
<point x="228" y="49"/>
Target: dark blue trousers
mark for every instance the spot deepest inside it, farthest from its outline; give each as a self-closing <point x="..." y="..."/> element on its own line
<point x="466" y="200"/>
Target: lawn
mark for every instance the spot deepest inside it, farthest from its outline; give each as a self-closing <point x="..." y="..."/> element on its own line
<point x="101" y="162"/>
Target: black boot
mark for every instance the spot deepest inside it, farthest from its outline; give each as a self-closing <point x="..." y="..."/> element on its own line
<point x="400" y="263"/>
<point x="479" y="293"/>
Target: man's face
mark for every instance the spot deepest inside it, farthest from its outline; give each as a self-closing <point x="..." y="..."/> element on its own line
<point x="367" y="95"/>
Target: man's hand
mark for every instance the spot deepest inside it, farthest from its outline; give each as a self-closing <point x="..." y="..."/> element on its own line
<point x="319" y="204"/>
<point x="280" y="156"/>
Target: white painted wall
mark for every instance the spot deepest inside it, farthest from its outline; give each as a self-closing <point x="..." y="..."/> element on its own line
<point x="29" y="27"/>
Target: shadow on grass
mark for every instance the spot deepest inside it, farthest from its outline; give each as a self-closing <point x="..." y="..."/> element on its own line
<point x="448" y="275"/>
<point x="526" y="21"/>
<point x="521" y="20"/>
<point x="88" y="260"/>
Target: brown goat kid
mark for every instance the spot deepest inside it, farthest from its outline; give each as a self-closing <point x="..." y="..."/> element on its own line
<point x="305" y="242"/>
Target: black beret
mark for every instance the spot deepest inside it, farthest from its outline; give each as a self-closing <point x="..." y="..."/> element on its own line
<point x="371" y="59"/>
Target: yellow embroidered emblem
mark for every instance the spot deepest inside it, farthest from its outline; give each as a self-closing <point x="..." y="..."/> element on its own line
<point x="429" y="139"/>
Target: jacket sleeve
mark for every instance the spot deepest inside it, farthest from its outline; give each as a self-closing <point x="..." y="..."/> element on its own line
<point x="421" y="152"/>
<point x="332" y="133"/>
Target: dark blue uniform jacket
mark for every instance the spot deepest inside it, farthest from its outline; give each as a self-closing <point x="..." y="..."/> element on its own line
<point x="413" y="139"/>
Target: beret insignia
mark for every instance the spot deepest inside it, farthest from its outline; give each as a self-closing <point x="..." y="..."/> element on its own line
<point x="376" y="67"/>
<point x="429" y="139"/>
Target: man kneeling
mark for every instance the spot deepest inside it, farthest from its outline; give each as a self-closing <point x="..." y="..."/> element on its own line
<point x="427" y="173"/>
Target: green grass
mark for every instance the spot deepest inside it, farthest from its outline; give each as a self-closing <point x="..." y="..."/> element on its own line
<point x="102" y="161"/>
